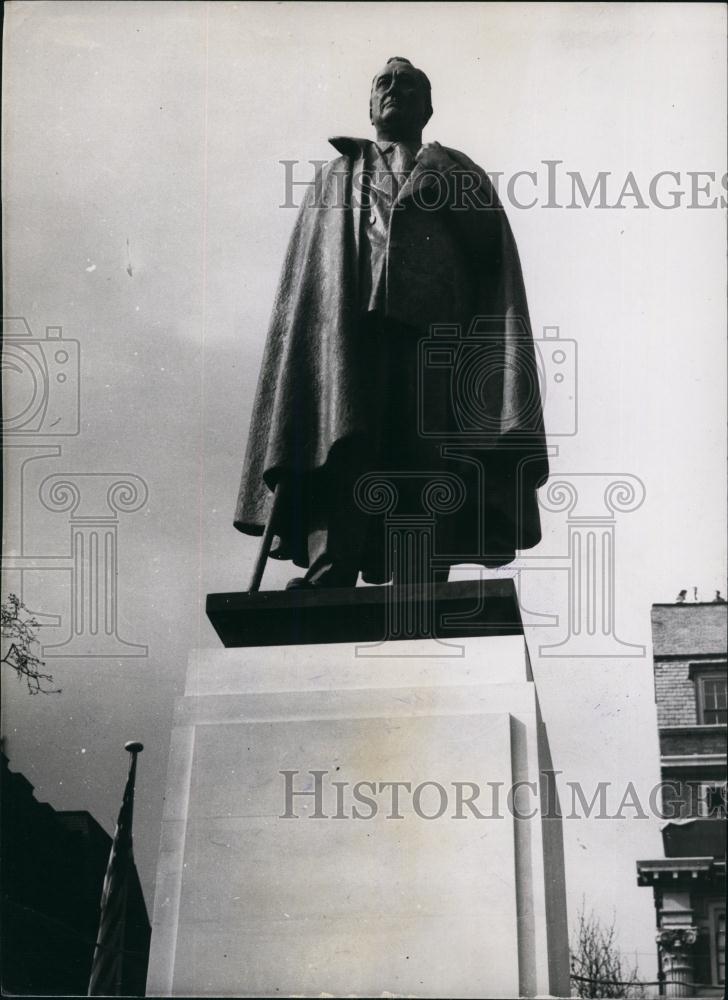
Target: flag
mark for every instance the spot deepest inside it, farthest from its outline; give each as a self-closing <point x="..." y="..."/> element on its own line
<point x="108" y="960"/>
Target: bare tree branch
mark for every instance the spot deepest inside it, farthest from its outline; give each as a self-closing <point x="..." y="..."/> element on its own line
<point x="598" y="968"/>
<point x="19" y="636"/>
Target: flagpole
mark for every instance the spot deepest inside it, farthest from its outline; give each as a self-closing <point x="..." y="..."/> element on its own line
<point x="107" y="966"/>
<point x="133" y="748"/>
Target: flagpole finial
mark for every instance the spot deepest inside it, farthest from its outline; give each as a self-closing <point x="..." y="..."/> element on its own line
<point x="134" y="746"/>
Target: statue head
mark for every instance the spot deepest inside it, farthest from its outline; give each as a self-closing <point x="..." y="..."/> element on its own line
<point x="400" y="104"/>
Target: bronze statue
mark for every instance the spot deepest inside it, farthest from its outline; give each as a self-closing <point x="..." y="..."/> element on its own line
<point x="397" y="244"/>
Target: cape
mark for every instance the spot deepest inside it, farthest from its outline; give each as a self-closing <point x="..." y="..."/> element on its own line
<point x="311" y="400"/>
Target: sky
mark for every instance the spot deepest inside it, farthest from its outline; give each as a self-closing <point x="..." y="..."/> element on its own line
<point x="142" y="214"/>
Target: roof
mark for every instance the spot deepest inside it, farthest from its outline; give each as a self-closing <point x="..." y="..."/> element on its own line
<point x="666" y="871"/>
<point x="689" y="629"/>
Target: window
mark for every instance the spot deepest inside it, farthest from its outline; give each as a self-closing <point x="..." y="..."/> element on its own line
<point x="711" y="690"/>
<point x="713" y="700"/>
<point x="717" y="943"/>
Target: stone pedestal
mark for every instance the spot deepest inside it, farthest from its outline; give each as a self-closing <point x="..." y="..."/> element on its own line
<point x="291" y="865"/>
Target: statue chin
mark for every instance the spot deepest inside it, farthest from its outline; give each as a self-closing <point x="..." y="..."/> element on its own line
<point x="395" y="115"/>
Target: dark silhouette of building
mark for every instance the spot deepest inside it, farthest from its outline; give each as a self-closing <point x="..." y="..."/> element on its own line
<point x="689" y="650"/>
<point x="53" y="866"/>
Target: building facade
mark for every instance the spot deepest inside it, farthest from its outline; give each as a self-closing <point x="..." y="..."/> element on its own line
<point x="689" y="651"/>
<point x="53" y="868"/>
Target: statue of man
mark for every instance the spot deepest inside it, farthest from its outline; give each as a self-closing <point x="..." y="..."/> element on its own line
<point x="393" y="237"/>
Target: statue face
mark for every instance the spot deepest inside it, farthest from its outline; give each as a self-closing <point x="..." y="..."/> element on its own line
<point x="399" y="103"/>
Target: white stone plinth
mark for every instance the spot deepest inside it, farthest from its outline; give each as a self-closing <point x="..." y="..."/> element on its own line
<point x="331" y="899"/>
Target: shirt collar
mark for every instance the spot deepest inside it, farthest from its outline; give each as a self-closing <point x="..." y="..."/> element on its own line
<point x="386" y="147"/>
<point x="352" y="146"/>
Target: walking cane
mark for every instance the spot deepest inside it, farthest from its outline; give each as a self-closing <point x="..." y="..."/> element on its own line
<point x="266" y="542"/>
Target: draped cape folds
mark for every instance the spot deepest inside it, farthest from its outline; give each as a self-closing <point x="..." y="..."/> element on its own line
<point x="451" y="259"/>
